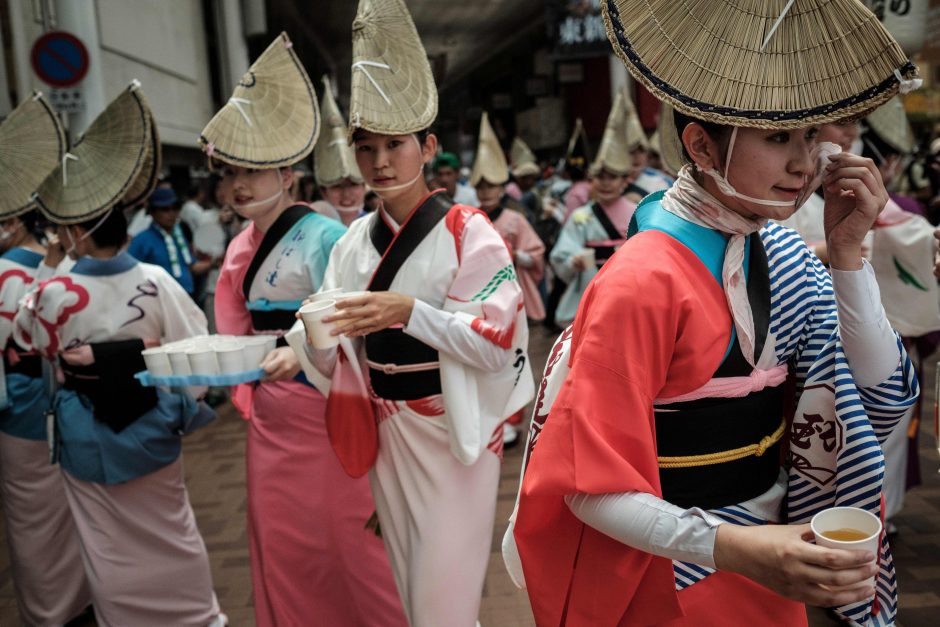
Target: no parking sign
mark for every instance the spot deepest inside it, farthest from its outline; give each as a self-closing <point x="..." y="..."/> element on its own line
<point x="60" y="59"/>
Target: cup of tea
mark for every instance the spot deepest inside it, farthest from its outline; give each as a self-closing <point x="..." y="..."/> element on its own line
<point x="848" y="528"/>
<point x="589" y="256"/>
<point x="318" y="331"/>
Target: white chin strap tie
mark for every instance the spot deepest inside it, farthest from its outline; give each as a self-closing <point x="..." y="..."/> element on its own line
<point x="821" y="155"/>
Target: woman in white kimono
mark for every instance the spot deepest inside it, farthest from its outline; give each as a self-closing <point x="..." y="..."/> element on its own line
<point x="117" y="442"/>
<point x="46" y="565"/>
<point x="593" y="232"/>
<point x="442" y="336"/>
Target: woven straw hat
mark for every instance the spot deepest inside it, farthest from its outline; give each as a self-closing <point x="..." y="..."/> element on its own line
<point x="578" y="155"/>
<point x="104" y="165"/>
<point x="889" y="122"/>
<point x="32" y="143"/>
<point x="613" y="155"/>
<point x="724" y="62"/>
<point x="490" y="163"/>
<point x="635" y="135"/>
<point x="271" y="120"/>
<point x="524" y="162"/>
<point x="393" y="90"/>
<point x="670" y="144"/>
<point x="333" y="159"/>
<point x="149" y="175"/>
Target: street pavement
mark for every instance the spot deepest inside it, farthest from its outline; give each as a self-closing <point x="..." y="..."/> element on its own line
<point x="215" y="471"/>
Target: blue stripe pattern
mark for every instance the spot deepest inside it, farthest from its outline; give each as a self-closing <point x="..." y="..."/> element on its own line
<point x="804" y="323"/>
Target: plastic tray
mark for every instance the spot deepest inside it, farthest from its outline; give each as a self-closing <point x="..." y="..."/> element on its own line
<point x="147" y="380"/>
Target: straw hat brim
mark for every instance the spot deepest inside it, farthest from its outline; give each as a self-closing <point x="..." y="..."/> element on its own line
<point x="32" y="143"/>
<point x="150" y="172"/>
<point x="827" y="60"/>
<point x="526" y="169"/>
<point x="103" y="166"/>
<point x="889" y="122"/>
<point x="392" y="90"/>
<point x="272" y="119"/>
<point x="670" y="143"/>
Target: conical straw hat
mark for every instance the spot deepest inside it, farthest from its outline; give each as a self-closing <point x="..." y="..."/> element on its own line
<point x="670" y="144"/>
<point x="103" y="165"/>
<point x="524" y="162"/>
<point x="635" y="135"/>
<point x="723" y="62"/>
<point x="32" y="143"/>
<point x="490" y="163"/>
<point x="149" y="175"/>
<point x="578" y="155"/>
<point x="271" y="120"/>
<point x="613" y="154"/>
<point x="333" y="159"/>
<point x="393" y="90"/>
<point x="890" y="124"/>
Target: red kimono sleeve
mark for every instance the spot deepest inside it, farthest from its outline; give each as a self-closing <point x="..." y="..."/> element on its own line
<point x="653" y="323"/>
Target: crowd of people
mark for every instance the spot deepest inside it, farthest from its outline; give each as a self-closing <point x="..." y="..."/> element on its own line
<point x="734" y="300"/>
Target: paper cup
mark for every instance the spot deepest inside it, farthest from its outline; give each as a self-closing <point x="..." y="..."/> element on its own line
<point x="202" y="361"/>
<point x="853" y="518"/>
<point x="330" y="294"/>
<point x="231" y="358"/>
<point x="590" y="258"/>
<point x="179" y="361"/>
<point x="254" y="352"/>
<point x="157" y="361"/>
<point x="347" y="295"/>
<point x="319" y="332"/>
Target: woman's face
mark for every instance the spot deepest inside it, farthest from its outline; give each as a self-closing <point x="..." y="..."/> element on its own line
<point x="392" y="164"/>
<point x="769" y="165"/>
<point x="346" y="195"/>
<point x="608" y="186"/>
<point x="842" y="134"/>
<point x="254" y="193"/>
<point x="488" y="194"/>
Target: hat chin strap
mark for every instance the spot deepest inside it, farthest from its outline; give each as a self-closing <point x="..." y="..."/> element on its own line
<point x="73" y="243"/>
<point x="728" y="189"/>
<point x="263" y="201"/>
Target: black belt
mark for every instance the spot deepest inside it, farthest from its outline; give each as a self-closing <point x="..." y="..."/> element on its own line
<point x="117" y="398"/>
<point x="280" y="320"/>
<point x="393" y="346"/>
<point x="27" y="365"/>
<point x="713" y="425"/>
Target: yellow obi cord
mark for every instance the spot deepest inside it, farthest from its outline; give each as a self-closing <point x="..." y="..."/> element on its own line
<point x="690" y="461"/>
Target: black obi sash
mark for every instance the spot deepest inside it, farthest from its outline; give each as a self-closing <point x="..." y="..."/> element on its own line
<point x="27" y="364"/>
<point x="117" y="398"/>
<point x="712" y="425"/>
<point x="604" y="251"/>
<point x="272" y="320"/>
<point x="393" y="347"/>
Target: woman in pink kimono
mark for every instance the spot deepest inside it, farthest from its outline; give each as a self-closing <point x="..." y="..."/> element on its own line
<point x="489" y="176"/>
<point x="313" y="562"/>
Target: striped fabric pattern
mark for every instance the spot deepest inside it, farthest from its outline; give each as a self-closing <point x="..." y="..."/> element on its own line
<point x="804" y="323"/>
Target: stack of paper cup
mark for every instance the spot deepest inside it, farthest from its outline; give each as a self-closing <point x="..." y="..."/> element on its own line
<point x="179" y="362"/>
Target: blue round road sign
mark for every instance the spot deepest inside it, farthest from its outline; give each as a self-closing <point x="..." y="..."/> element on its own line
<point x="60" y="59"/>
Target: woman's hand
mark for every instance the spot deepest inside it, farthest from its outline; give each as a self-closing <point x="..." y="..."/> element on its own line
<point x="855" y="195"/>
<point x="55" y="252"/>
<point x="281" y="364"/>
<point x="372" y="312"/>
<point x="780" y="558"/>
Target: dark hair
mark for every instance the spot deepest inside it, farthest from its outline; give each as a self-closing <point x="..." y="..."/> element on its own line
<point x="872" y="145"/>
<point x="721" y="133"/>
<point x="422" y="135"/>
<point x="193" y="190"/>
<point x="34" y="224"/>
<point x="111" y="232"/>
